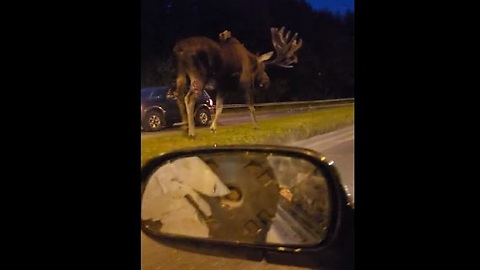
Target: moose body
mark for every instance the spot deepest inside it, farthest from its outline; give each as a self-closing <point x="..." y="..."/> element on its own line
<point x="225" y="66"/>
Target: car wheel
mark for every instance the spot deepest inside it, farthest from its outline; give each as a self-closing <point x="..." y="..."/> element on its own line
<point x="203" y="117"/>
<point x="153" y="121"/>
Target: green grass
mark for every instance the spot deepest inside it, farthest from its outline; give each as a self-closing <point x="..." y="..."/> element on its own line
<point x="280" y="130"/>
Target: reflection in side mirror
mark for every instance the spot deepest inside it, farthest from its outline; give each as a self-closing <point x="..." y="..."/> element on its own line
<point x="242" y="196"/>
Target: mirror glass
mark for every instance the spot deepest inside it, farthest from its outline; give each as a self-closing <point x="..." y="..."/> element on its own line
<point x="247" y="197"/>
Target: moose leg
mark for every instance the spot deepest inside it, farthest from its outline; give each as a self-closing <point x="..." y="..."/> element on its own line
<point x="251" y="108"/>
<point x="218" y="111"/>
<point x="183" y="111"/>
<point x="196" y="86"/>
<point x="180" y="90"/>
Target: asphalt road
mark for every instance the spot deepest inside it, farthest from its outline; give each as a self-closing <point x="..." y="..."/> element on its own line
<point x="337" y="146"/>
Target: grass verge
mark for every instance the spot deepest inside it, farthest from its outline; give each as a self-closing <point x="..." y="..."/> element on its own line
<point x="280" y="130"/>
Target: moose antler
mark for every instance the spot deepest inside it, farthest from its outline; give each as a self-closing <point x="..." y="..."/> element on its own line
<point x="285" y="48"/>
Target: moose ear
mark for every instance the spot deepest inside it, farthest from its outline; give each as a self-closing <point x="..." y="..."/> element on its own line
<point x="264" y="57"/>
<point x="225" y="35"/>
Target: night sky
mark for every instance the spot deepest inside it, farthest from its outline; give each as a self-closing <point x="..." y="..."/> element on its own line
<point x="340" y="6"/>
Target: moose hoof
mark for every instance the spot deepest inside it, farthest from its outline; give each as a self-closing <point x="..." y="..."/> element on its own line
<point x="213" y="130"/>
<point x="191" y="136"/>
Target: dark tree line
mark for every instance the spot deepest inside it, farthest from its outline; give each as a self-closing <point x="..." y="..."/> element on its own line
<point x="326" y="59"/>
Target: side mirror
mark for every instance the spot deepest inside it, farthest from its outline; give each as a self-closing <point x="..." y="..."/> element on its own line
<point x="276" y="200"/>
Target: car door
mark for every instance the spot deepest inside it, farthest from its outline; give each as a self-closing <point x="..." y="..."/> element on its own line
<point x="172" y="114"/>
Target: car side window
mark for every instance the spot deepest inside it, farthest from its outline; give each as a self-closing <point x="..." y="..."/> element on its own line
<point x="158" y="95"/>
<point x="146" y="94"/>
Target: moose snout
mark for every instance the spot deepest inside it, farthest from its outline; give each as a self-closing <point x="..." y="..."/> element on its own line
<point x="264" y="82"/>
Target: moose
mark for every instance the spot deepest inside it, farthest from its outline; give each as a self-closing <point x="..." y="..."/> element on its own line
<point x="226" y="66"/>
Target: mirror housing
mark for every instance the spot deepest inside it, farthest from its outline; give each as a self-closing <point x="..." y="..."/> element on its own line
<point x="282" y="204"/>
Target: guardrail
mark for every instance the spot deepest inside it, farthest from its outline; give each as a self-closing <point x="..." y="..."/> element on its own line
<point x="293" y="103"/>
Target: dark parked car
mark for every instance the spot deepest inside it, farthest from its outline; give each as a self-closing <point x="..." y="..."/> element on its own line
<point x="159" y="112"/>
